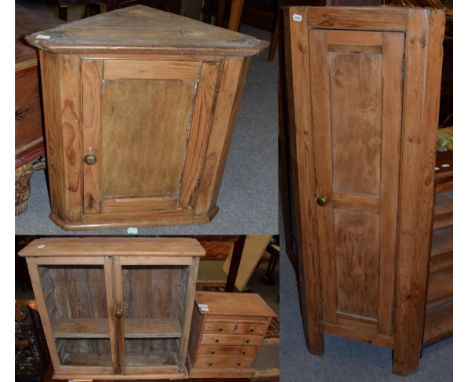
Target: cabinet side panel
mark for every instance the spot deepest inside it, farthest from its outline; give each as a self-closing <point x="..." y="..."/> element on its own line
<point x="231" y="85"/>
<point x="50" y="80"/>
<point x="299" y="105"/>
<point x="420" y="119"/>
<point x="70" y="103"/>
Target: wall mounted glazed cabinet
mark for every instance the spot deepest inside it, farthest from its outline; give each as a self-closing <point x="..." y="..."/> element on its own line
<point x="139" y="110"/>
<point x="115" y="308"/>
<point x="363" y="95"/>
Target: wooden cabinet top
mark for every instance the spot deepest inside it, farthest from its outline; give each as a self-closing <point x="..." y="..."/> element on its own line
<point x="233" y="304"/>
<point x="113" y="247"/>
<point x="141" y="29"/>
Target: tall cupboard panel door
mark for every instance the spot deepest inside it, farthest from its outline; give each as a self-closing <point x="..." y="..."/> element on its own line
<point x="137" y="147"/>
<point x="356" y="94"/>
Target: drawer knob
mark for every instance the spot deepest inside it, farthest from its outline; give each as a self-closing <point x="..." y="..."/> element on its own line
<point x="90" y="159"/>
<point x="252" y="330"/>
<point x="243" y="353"/>
<point x="238" y="363"/>
<point x="247" y="341"/>
<point x="212" y="352"/>
<point x="322" y="200"/>
<point x="216" y="340"/>
<point x="210" y="364"/>
<point x="220" y="329"/>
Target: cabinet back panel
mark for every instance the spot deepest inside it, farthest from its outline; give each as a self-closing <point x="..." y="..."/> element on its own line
<point x="154" y="291"/>
<point x="84" y="352"/>
<point x="82" y="292"/>
<point x="151" y="352"/>
<point x="144" y="136"/>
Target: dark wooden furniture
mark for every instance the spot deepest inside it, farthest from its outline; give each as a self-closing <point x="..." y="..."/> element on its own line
<point x="115" y="306"/>
<point x="139" y="132"/>
<point x="29" y="144"/>
<point x="227" y="331"/>
<point x="31" y="355"/>
<point x="363" y="96"/>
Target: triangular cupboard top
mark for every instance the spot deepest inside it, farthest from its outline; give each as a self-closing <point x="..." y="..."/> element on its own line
<point x="144" y="30"/>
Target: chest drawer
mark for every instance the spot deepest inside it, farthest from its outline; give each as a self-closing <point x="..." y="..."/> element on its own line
<point x="233" y="351"/>
<point x="224" y="362"/>
<point x="219" y="327"/>
<point x="250" y="328"/>
<point x="230" y="339"/>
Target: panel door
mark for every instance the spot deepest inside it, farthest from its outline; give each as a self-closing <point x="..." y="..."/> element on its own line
<point x="73" y="297"/>
<point x="356" y="92"/>
<point x="145" y="129"/>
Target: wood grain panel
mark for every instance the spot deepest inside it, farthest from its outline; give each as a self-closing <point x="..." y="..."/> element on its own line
<point x="299" y="104"/>
<point x="116" y="205"/>
<point x="91" y="76"/>
<point x="144" y="137"/>
<point x="356" y="114"/>
<point x="356" y="238"/>
<point x="423" y="52"/>
<point x="199" y="133"/>
<point x="323" y="166"/>
<point x="151" y="70"/>
<point x="70" y="112"/>
<point x="231" y="84"/>
<point x="389" y="183"/>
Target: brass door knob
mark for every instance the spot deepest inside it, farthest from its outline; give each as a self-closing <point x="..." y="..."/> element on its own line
<point x="118" y="313"/>
<point x="322" y="200"/>
<point x="90" y="159"/>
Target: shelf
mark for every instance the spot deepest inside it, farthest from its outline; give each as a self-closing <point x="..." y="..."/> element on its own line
<point x="443" y="210"/>
<point x="439" y="321"/>
<point x="134" y="328"/>
<point x="440" y="285"/>
<point x="151" y="359"/>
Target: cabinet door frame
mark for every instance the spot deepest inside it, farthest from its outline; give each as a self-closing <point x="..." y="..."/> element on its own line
<point x="424" y="30"/>
<point x="192" y="269"/>
<point x="205" y="75"/>
<point x="33" y="268"/>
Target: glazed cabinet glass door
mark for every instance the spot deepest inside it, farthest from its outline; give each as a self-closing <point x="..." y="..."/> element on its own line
<point x="141" y="122"/>
<point x="151" y="302"/>
<point x="356" y="82"/>
<point x="76" y="298"/>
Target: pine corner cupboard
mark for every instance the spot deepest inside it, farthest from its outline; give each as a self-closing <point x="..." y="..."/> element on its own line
<point x="139" y="109"/>
<point x="363" y="97"/>
<point x="115" y="308"/>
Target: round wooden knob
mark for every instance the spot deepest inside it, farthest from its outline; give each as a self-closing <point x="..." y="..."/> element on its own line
<point x="238" y="363"/>
<point x="210" y="364"/>
<point x="90" y="159"/>
<point x="118" y="313"/>
<point x="243" y="353"/>
<point x="220" y="329"/>
<point x="252" y="330"/>
<point x="213" y="352"/>
<point x="322" y="200"/>
<point x="216" y="340"/>
<point x="247" y="341"/>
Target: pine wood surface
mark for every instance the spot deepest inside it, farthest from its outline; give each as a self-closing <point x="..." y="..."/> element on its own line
<point x="364" y="86"/>
<point x="143" y="29"/>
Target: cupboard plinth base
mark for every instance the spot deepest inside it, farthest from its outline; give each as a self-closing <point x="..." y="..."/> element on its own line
<point x="120" y="377"/>
<point x="163" y="218"/>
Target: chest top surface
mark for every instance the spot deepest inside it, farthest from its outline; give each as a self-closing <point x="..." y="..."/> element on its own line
<point x="113" y="246"/>
<point x="145" y="30"/>
<point x="233" y="304"/>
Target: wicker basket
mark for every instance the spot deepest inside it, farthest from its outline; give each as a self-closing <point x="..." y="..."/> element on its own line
<point x="22" y="187"/>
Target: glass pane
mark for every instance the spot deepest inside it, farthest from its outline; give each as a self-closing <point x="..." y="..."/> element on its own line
<point x="154" y="304"/>
<point x="75" y="298"/>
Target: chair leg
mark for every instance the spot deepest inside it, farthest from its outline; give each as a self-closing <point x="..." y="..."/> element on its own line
<point x="235" y="14"/>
